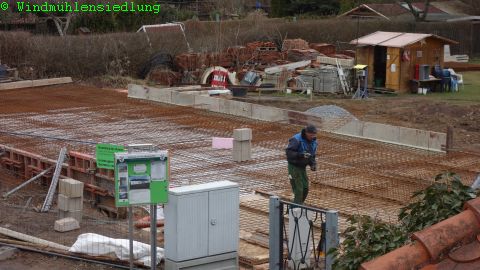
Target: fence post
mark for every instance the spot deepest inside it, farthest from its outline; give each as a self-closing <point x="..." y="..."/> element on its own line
<point x="275" y="233"/>
<point x="331" y="236"/>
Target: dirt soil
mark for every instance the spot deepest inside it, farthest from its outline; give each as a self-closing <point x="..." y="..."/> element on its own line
<point x="30" y="260"/>
<point x="407" y="111"/>
<point x="17" y="212"/>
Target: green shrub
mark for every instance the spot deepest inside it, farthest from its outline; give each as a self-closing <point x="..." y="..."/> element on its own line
<point x="368" y="238"/>
<point x="438" y="202"/>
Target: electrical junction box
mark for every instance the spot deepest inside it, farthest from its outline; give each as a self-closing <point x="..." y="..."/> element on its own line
<point x="141" y="178"/>
<point x="202" y="227"/>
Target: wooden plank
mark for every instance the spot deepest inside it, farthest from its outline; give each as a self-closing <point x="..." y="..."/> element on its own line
<point x="34" y="83"/>
<point x="291" y="66"/>
<point x="31" y="239"/>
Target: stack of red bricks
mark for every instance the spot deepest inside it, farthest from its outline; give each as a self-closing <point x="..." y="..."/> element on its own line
<point x="296" y="55"/>
<point x="323" y="48"/>
<point x="295" y="44"/>
<point x="260" y="52"/>
<point x="164" y="77"/>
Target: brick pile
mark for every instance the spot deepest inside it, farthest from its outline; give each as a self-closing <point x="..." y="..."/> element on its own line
<point x="298" y="44"/>
<point x="164" y="77"/>
<point x="256" y="55"/>
<point x="350" y="53"/>
<point x="296" y="55"/>
<point x="259" y="52"/>
<point x="323" y="48"/>
<point x="340" y="56"/>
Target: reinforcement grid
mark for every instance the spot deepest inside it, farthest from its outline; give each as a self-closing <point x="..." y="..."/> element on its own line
<point x="353" y="176"/>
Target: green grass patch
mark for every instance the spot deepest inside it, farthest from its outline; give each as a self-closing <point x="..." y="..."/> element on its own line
<point x="474" y="61"/>
<point x="470" y="91"/>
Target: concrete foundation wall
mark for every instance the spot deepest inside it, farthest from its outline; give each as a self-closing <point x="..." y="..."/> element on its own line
<point x="183" y="99"/>
<point x="267" y="113"/>
<point x="207" y="103"/>
<point x="160" y="95"/>
<point x="137" y="91"/>
<point x="422" y="139"/>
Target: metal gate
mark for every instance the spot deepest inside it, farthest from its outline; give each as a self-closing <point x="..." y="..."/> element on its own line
<point x="313" y="231"/>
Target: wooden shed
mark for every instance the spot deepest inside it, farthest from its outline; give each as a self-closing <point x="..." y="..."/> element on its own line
<point x="392" y="57"/>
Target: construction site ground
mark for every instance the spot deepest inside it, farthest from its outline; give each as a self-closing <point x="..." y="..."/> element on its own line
<point x="354" y="176"/>
<point x="433" y="112"/>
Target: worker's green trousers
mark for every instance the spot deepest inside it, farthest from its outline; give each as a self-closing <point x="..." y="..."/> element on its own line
<point x="299" y="181"/>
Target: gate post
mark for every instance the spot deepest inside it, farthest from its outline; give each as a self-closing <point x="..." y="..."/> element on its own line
<point x="275" y="234"/>
<point x="331" y="236"/>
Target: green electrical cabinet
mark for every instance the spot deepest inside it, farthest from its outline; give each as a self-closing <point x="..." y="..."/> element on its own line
<point x="141" y="178"/>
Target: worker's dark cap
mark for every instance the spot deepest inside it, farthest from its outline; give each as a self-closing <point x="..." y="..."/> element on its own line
<point x="310" y="129"/>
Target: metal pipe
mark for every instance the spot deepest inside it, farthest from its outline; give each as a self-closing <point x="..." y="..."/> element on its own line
<point x="153" y="240"/>
<point x="130" y="235"/>
<point x="304" y="206"/>
<point x="27" y="182"/>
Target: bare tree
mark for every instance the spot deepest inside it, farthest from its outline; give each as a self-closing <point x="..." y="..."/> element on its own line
<point x="62" y="23"/>
<point x="420" y="15"/>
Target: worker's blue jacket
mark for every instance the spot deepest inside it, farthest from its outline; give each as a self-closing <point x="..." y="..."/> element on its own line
<point x="297" y="146"/>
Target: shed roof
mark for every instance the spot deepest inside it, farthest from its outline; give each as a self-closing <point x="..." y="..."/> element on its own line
<point x="395" y="39"/>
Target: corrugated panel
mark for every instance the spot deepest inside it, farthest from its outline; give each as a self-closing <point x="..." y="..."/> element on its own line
<point x="188" y="228"/>
<point x="224" y="217"/>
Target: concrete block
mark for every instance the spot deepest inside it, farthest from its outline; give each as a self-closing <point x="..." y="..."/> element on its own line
<point x="66" y="225"/>
<point x="237" y="151"/>
<point x="207" y="103"/>
<point x="78" y="214"/>
<point x="381" y="132"/>
<point x="137" y="91"/>
<point x="183" y="99"/>
<point x="69" y="204"/>
<point x="70" y="188"/>
<point x="437" y="141"/>
<point x="267" y="113"/>
<point x="246" y="150"/>
<point x="239" y="108"/>
<point x="7" y="253"/>
<point x="242" y="134"/>
<point x="242" y="151"/>
<point x="160" y="95"/>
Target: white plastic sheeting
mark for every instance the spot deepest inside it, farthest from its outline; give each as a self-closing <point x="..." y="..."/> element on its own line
<point x="98" y="245"/>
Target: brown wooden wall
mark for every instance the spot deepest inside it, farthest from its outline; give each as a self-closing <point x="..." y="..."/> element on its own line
<point x="393" y="69"/>
<point x="432" y="54"/>
<point x="365" y="57"/>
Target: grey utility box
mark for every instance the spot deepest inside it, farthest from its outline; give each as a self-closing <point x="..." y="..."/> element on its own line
<point x="202" y="227"/>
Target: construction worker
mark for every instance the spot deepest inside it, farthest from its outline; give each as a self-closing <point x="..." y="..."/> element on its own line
<point x="301" y="151"/>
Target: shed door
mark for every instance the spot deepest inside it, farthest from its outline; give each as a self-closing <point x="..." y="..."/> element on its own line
<point x="223" y="221"/>
<point x="379" y="63"/>
<point x="393" y="69"/>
